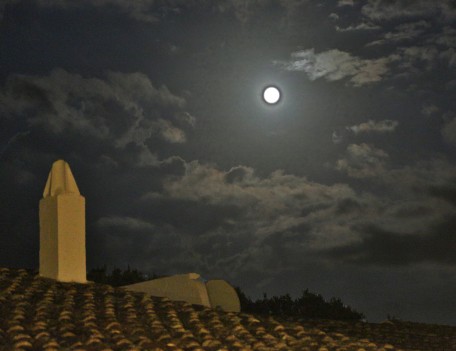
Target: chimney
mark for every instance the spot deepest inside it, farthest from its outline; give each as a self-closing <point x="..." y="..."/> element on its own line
<point x="62" y="227"/>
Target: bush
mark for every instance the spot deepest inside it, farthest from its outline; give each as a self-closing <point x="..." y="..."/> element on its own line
<point x="308" y="305"/>
<point x="118" y="277"/>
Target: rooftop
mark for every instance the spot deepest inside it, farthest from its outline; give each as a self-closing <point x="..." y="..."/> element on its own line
<point x="42" y="314"/>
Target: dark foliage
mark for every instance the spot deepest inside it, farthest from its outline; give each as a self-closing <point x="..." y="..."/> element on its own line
<point x="117" y="277"/>
<point x="308" y="305"/>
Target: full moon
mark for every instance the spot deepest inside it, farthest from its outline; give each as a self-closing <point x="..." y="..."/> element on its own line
<point x="271" y="95"/>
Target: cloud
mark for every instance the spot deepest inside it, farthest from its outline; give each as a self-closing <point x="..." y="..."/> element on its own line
<point x="335" y="65"/>
<point x="447" y="37"/>
<point x="402" y="32"/>
<point x="412" y="223"/>
<point x="13" y="140"/>
<point x="422" y="175"/>
<point x="125" y="223"/>
<point x="385" y="126"/>
<point x="279" y="203"/>
<point x="362" y="161"/>
<point x="122" y="111"/>
<point x="152" y="11"/>
<point x="239" y="174"/>
<point x="446" y="191"/>
<point x="450" y="56"/>
<point x="140" y="10"/>
<point x="360" y="26"/>
<point x="429" y="109"/>
<point x="388" y="10"/>
<point x="383" y="247"/>
<point x="341" y="3"/>
<point x="419" y="53"/>
<point x="449" y="131"/>
<point x="342" y="134"/>
<point x="414" y="58"/>
<point x="284" y="217"/>
<point x="205" y="182"/>
<point x="170" y="132"/>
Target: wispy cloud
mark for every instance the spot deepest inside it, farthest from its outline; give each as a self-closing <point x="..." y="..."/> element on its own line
<point x="387" y="10"/>
<point x="343" y="134"/>
<point x="403" y="32"/>
<point x="358" y="27"/>
<point x="429" y="109"/>
<point x="341" y="3"/>
<point x="335" y="64"/>
<point x="119" y="110"/>
<point x="446" y="37"/>
<point x="362" y="161"/>
<point x="125" y="223"/>
<point x="385" y="126"/>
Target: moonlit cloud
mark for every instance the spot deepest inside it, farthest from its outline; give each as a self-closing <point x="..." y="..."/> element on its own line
<point x="387" y="10"/>
<point x="382" y="247"/>
<point x="446" y="37"/>
<point x="171" y="133"/>
<point x="345" y="3"/>
<point x="340" y="135"/>
<point x="361" y="26"/>
<point x="402" y="32"/>
<point x="278" y="203"/>
<point x="335" y="65"/>
<point x="363" y="161"/>
<point x="63" y="101"/>
<point x="415" y="56"/>
<point x="385" y="126"/>
<point x="429" y="109"/>
<point x="305" y="216"/>
<point x="119" y="110"/>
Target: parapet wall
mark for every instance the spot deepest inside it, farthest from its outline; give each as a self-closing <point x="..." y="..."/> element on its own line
<point x="190" y="288"/>
<point x="182" y="287"/>
<point x="223" y="295"/>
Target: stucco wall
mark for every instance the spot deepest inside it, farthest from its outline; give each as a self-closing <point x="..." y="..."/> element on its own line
<point x="181" y="287"/>
<point x="223" y="294"/>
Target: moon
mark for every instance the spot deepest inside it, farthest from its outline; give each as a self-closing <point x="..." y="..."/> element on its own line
<point x="271" y="95"/>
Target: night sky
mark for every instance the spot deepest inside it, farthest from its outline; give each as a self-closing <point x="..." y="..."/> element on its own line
<point x="346" y="187"/>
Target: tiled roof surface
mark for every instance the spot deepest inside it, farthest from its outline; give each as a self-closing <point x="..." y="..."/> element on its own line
<point x="41" y="314"/>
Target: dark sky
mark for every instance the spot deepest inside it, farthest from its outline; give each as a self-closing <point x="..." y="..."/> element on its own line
<point x="347" y="186"/>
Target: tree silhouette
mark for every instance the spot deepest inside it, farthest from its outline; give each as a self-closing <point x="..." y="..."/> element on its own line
<point x="308" y="305"/>
<point x="118" y="277"/>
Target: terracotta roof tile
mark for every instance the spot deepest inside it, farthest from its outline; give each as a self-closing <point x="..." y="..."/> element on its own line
<point x="41" y="314"/>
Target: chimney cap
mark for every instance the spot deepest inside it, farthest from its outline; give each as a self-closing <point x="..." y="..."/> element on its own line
<point x="60" y="180"/>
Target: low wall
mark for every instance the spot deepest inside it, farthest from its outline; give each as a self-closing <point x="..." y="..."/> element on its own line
<point x="182" y="287"/>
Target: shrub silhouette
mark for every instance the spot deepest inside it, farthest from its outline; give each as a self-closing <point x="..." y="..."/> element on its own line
<point x="117" y="277"/>
<point x="308" y="305"/>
